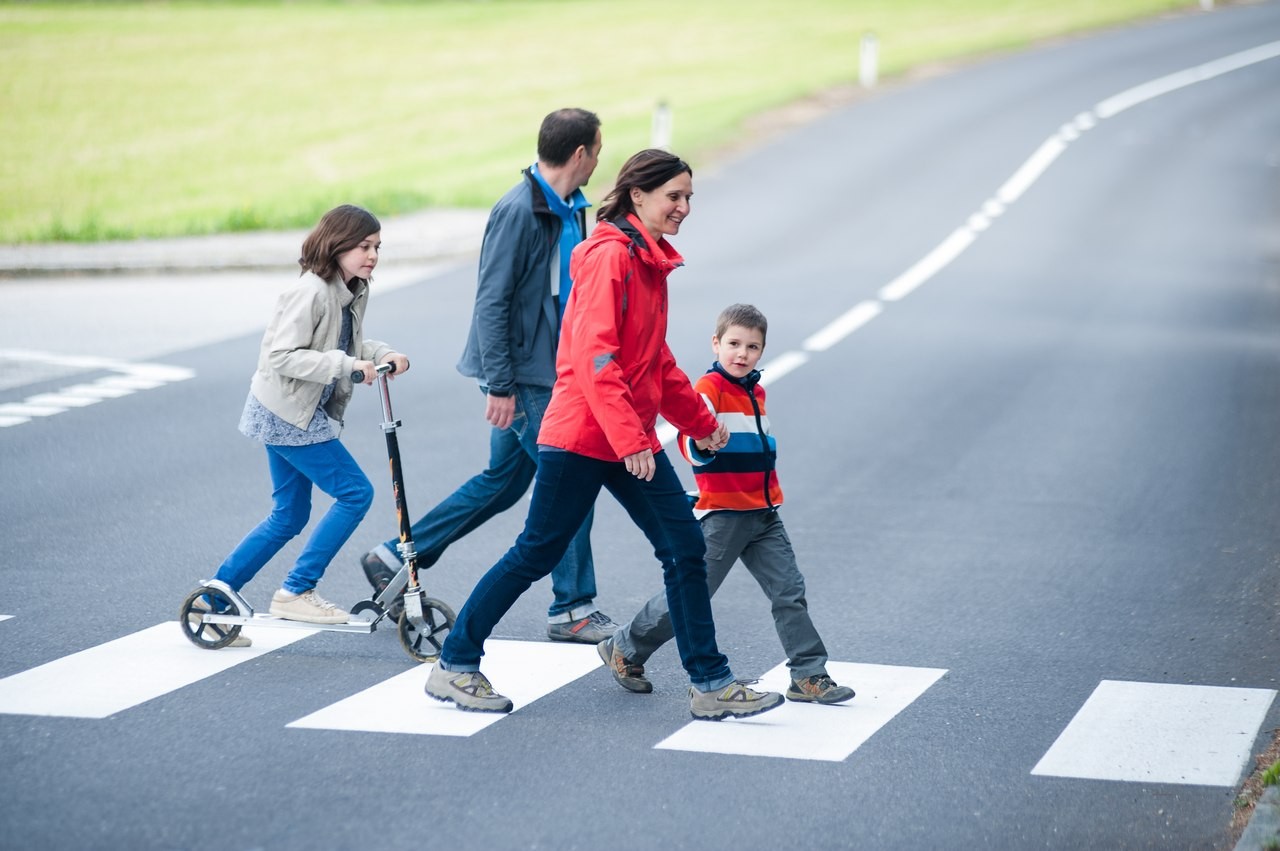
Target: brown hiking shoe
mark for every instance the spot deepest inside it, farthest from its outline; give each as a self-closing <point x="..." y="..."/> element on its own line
<point x="628" y="674"/>
<point x="818" y="689"/>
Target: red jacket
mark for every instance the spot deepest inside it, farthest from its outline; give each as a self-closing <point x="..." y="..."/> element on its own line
<point x="614" y="371"/>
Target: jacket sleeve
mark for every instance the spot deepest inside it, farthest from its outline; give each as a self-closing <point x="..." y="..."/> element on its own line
<point x="292" y="334"/>
<point x="594" y="346"/>
<point x="505" y="241"/>
<point x="681" y="405"/>
<point x="688" y="447"/>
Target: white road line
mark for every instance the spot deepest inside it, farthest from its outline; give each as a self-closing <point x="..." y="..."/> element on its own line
<point x="803" y="731"/>
<point x="65" y="400"/>
<point x="124" y="673"/>
<point x="1181" y="79"/>
<point x="1160" y="733"/>
<point x="929" y="265"/>
<point x="5" y="617"/>
<point x="853" y="319"/>
<point x="28" y="411"/>
<point x="522" y="670"/>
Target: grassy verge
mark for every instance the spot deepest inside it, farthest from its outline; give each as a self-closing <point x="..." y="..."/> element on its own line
<point x="128" y="119"/>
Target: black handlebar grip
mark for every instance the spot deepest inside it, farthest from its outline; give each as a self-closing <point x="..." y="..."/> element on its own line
<point x="388" y="367"/>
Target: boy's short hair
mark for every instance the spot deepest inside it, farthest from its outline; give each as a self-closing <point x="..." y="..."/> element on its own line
<point x="744" y="315"/>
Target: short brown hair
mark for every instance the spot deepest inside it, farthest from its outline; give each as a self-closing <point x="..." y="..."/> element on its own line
<point x="745" y="316"/>
<point x="563" y="132"/>
<point x="646" y="171"/>
<point x="340" y="230"/>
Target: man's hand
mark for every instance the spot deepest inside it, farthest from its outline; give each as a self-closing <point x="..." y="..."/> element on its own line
<point x="641" y="465"/>
<point x="714" y="441"/>
<point x="499" y="411"/>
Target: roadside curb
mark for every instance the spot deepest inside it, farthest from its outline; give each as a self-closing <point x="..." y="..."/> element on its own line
<point x="428" y="235"/>
<point x="1263" y="830"/>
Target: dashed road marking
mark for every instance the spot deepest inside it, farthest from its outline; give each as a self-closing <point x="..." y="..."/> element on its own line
<point x="807" y="731"/>
<point x="1160" y="733"/>
<point x="127" y="378"/>
<point x="522" y="670"/>
<point x="126" y="672"/>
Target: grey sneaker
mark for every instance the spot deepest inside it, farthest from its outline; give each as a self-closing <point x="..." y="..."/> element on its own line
<point x="221" y="629"/>
<point x="592" y="629"/>
<point x="734" y="701"/>
<point x="628" y="674"/>
<point x="470" y="690"/>
<point x="818" y="689"/>
<point x="308" y="607"/>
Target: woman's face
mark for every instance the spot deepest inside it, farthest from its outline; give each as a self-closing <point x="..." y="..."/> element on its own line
<point x="358" y="262"/>
<point x="661" y="210"/>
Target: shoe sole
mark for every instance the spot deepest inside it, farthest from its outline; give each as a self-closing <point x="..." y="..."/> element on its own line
<point x="647" y="688"/>
<point x="729" y="713"/>
<point x="804" y="698"/>
<point x="576" y="639"/>
<point x="450" y="699"/>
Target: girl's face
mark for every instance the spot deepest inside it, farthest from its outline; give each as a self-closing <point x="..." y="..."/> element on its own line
<point x="738" y="349"/>
<point x="358" y="262"/>
<point x="661" y="210"/>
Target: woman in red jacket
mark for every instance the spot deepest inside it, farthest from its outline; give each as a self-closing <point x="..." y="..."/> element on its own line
<point x="614" y="376"/>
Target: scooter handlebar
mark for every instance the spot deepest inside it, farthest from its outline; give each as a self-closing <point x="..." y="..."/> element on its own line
<point x="358" y="377"/>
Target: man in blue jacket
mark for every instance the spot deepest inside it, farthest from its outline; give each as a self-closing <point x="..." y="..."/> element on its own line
<point x="511" y="350"/>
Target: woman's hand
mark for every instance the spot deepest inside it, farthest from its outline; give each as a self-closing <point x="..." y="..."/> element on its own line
<point x="401" y="363"/>
<point x="714" y="441"/>
<point x="641" y="465"/>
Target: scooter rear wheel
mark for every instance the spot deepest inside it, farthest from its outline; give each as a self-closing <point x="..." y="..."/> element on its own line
<point x="208" y="636"/>
<point x="423" y="640"/>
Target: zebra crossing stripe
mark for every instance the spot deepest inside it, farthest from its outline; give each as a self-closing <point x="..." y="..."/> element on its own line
<point x="1160" y="733"/>
<point x="5" y="617"/>
<point x="522" y="670"/>
<point x="126" y="672"/>
<point x="806" y="731"/>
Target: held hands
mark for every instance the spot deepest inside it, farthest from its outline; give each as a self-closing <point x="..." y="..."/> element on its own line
<point x="499" y="411"/>
<point x="714" y="441"/>
<point x="641" y="465"/>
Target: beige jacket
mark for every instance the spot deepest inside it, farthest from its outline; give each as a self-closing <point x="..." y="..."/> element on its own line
<point x="300" y="352"/>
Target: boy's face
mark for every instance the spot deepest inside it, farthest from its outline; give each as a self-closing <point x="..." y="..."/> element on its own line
<point x="738" y="349"/>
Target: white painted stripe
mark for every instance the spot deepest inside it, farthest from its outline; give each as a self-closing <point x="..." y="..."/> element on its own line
<point x="806" y="731"/>
<point x="666" y="433"/>
<point x="5" y="617"/>
<point x="121" y="674"/>
<point x="1198" y="74"/>
<point x="1160" y="733"/>
<point x="131" y="382"/>
<point x="80" y="361"/>
<point x="522" y="670"/>
<point x="18" y="409"/>
<point x="775" y="369"/>
<point x="1031" y="170"/>
<point x="160" y="372"/>
<point x="66" y="400"/>
<point x="96" y="390"/>
<point x="929" y="265"/>
<point x="6" y="421"/>
<point x="853" y="319"/>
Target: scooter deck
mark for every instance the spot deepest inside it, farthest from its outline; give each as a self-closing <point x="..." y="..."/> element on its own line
<point x="273" y="622"/>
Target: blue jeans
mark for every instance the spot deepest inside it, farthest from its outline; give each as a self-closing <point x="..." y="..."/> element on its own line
<point x="513" y="460"/>
<point x="564" y="491"/>
<point x="293" y="471"/>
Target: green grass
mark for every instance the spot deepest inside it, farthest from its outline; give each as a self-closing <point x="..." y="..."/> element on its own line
<point x="148" y="119"/>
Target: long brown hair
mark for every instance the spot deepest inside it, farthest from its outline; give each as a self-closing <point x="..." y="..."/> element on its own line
<point x="340" y="230"/>
<point x="646" y="171"/>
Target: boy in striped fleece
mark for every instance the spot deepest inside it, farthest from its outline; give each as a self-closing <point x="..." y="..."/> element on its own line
<point x="738" y="499"/>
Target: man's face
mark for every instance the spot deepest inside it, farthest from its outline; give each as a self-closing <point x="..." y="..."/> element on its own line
<point x="589" y="160"/>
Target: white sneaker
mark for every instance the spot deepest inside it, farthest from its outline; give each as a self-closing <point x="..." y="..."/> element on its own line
<point x="308" y="607"/>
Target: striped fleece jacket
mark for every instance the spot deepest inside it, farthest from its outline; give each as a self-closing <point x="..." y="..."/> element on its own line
<point x="740" y="476"/>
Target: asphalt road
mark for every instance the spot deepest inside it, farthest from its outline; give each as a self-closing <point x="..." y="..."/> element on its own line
<point x="1034" y="477"/>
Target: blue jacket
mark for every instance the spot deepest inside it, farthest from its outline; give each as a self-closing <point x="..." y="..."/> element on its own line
<point x="515" y="325"/>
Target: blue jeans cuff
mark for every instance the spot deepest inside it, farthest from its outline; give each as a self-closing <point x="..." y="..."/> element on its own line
<point x="712" y="685"/>
<point x="574" y="615"/>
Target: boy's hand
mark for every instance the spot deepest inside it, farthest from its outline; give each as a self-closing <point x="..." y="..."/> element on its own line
<point x="401" y="362"/>
<point x="641" y="465"/>
<point x="714" y="441"/>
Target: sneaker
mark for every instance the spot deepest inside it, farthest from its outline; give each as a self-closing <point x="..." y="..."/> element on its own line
<point x="377" y="571"/>
<point x="818" y="689"/>
<point x="308" y="607"/>
<point x="592" y="629"/>
<point x="200" y="605"/>
<point x="733" y="701"/>
<point x="628" y="674"/>
<point x="470" y="690"/>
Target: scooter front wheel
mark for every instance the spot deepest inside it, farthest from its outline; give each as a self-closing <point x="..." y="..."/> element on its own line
<point x="208" y="636"/>
<point x="423" y="639"/>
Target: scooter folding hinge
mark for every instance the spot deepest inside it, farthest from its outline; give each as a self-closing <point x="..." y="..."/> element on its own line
<point x="392" y="426"/>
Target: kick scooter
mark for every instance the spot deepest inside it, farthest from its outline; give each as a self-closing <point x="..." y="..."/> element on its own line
<point x="212" y="615"/>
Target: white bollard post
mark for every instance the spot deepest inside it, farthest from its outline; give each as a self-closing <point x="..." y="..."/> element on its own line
<point x="1206" y="5"/>
<point x="869" y="61"/>
<point x="660" y="135"/>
